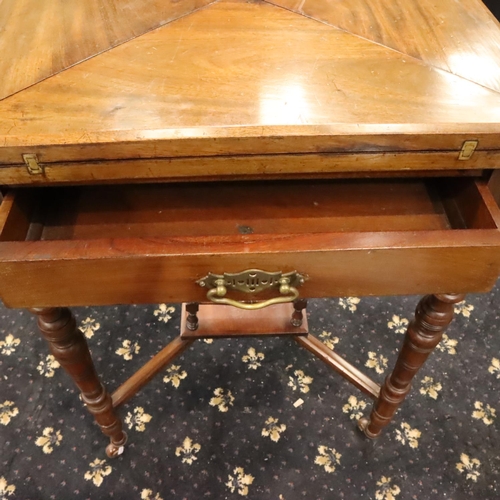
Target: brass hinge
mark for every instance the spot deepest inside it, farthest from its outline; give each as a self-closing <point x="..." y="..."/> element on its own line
<point x="34" y="168"/>
<point x="468" y="149"/>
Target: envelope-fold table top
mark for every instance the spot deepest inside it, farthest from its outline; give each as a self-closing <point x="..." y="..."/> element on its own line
<point x="85" y="85"/>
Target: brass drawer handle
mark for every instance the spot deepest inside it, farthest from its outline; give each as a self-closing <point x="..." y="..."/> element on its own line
<point x="216" y="295"/>
<point x="252" y="281"/>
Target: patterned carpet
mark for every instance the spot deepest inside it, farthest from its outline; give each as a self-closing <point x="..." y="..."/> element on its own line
<point x="259" y="419"/>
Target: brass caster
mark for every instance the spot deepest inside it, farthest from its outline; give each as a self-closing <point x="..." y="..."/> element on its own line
<point x="363" y="424"/>
<point x="114" y="450"/>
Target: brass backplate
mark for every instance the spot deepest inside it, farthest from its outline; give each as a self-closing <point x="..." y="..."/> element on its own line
<point x="252" y="280"/>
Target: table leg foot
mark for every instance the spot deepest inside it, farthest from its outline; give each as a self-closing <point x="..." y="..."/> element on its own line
<point x="114" y="450"/>
<point x="363" y="424"/>
<point x="69" y="347"/>
<point x="433" y="314"/>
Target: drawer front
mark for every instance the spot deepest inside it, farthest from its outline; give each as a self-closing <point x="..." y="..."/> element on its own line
<point x="152" y="244"/>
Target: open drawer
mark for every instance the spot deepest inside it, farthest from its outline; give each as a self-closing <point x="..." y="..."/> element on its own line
<point x="151" y="243"/>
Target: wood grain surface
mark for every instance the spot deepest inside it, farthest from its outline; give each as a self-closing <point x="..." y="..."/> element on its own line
<point x="461" y="37"/>
<point x="103" y="270"/>
<point x="340" y="365"/>
<point x="147" y="372"/>
<point x="338" y="265"/>
<point x="253" y="167"/>
<point x="177" y="210"/>
<point x="41" y="38"/>
<point x="237" y="71"/>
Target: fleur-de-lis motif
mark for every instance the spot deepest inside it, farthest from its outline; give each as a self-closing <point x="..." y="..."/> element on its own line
<point x="7" y="412"/>
<point x="149" y="495"/>
<point x="354" y="407"/>
<point x="447" y="345"/>
<point x="8" y="346"/>
<point x="174" y="375"/>
<point x="408" y="435"/>
<point x="6" y="490"/>
<point x="273" y="430"/>
<point x="139" y="419"/>
<point x="89" y="326"/>
<point x="485" y="413"/>
<point x="49" y="439"/>
<point x="430" y="388"/>
<point x="188" y="451"/>
<point x="349" y="303"/>
<point x="48" y="366"/>
<point x="377" y="362"/>
<point x="240" y="481"/>
<point x="328" y="340"/>
<point x="253" y="358"/>
<point x="299" y="380"/>
<point x="399" y="325"/>
<point x="495" y="367"/>
<point x="469" y="466"/>
<point x="328" y="458"/>
<point x="387" y="491"/>
<point x="464" y="309"/>
<point x="128" y="349"/>
<point x="164" y="312"/>
<point x="223" y="399"/>
<point x="99" y="469"/>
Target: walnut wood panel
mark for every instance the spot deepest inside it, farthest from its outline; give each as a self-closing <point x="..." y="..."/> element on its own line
<point x="246" y="69"/>
<point x="16" y="216"/>
<point x="236" y="208"/>
<point x="263" y="166"/>
<point x="43" y="37"/>
<point x="473" y="203"/>
<point x="249" y="140"/>
<point x="494" y="185"/>
<point x="461" y="37"/>
<point x="148" y="211"/>
<point x="6" y="208"/>
<point x="379" y="174"/>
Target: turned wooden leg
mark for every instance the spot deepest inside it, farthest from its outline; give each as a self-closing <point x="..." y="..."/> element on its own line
<point x="297" y="315"/>
<point x="192" y="318"/>
<point x="69" y="347"/>
<point x="433" y="314"/>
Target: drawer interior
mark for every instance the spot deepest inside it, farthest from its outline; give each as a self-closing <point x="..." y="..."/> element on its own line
<point x="243" y="208"/>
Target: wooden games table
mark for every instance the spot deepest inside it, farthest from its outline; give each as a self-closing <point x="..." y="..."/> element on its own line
<point x="242" y="157"/>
